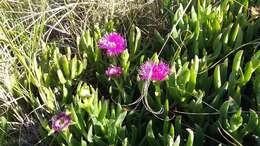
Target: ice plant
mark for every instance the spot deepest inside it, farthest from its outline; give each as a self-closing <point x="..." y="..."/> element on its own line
<point x="154" y="71"/>
<point x="113" y="43"/>
<point x="60" y="122"/>
<point x="113" y="71"/>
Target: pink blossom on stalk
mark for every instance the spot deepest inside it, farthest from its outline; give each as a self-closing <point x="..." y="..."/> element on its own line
<point x="161" y="71"/>
<point x="60" y="122"/>
<point x="146" y="70"/>
<point x="113" y="71"/>
<point x="113" y="43"/>
<point x="153" y="71"/>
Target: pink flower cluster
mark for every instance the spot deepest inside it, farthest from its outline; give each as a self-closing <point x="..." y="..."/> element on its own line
<point x="113" y="43"/>
<point x="154" y="71"/>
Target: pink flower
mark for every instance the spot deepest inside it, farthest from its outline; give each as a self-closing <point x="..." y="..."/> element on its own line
<point x="153" y="71"/>
<point x="114" y="71"/>
<point x="113" y="43"/>
<point x="147" y="70"/>
<point x="161" y="71"/>
<point x="60" y="122"/>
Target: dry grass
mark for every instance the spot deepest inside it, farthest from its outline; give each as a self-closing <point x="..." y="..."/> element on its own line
<point x="71" y="18"/>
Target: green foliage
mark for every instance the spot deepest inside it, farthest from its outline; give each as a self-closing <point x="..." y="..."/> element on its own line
<point x="3" y="128"/>
<point x="211" y="96"/>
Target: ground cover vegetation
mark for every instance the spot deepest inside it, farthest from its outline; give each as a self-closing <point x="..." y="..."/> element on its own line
<point x="116" y="72"/>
